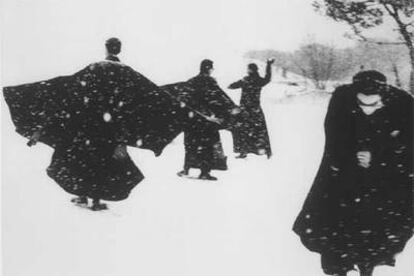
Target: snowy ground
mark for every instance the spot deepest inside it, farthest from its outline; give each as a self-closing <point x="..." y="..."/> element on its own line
<point x="240" y="225"/>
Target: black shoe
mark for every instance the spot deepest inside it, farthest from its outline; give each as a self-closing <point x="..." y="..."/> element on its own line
<point x="365" y="270"/>
<point x="99" y="207"/>
<point x="182" y="173"/>
<point x="81" y="200"/>
<point x="207" y="177"/>
<point x="241" y="156"/>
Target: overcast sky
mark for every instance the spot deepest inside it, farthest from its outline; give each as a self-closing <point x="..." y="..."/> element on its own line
<point x="165" y="39"/>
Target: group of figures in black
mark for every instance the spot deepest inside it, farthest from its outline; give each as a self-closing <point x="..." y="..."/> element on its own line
<point x="359" y="211"/>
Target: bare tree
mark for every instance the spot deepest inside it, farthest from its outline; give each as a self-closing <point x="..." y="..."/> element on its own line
<point x="319" y="63"/>
<point x="365" y="15"/>
<point x="397" y="75"/>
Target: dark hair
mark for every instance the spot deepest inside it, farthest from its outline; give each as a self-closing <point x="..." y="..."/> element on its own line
<point x="253" y="67"/>
<point x="113" y="46"/>
<point x="370" y="76"/>
<point x="370" y="82"/>
<point x="206" y="65"/>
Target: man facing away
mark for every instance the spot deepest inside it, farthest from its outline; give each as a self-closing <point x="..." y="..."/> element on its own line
<point x="203" y="148"/>
<point x="113" y="48"/>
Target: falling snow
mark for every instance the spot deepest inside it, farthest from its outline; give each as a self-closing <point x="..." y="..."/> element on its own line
<point x="245" y="218"/>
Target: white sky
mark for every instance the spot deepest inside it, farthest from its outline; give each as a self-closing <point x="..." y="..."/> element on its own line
<point x="164" y="39"/>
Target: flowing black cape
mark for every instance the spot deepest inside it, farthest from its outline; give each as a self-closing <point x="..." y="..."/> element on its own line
<point x="106" y="100"/>
<point x="87" y="115"/>
<point x="205" y="98"/>
<point x="354" y="215"/>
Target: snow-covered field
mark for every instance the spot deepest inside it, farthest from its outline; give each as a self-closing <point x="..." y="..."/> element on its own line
<point x="240" y="225"/>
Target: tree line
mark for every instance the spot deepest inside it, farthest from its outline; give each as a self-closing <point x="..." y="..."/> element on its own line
<point x="365" y="16"/>
<point x="321" y="63"/>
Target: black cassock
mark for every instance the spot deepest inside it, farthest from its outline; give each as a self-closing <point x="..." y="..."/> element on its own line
<point x="203" y="147"/>
<point x="356" y="216"/>
<point x="86" y="116"/>
<point x="251" y="135"/>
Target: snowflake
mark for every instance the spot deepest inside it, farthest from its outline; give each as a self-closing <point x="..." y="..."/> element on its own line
<point x="107" y="117"/>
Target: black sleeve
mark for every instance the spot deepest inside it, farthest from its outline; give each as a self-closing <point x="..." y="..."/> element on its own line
<point x="397" y="150"/>
<point x="220" y="103"/>
<point x="337" y="131"/>
<point x="268" y="76"/>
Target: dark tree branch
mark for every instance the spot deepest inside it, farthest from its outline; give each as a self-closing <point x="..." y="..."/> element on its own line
<point x="368" y="14"/>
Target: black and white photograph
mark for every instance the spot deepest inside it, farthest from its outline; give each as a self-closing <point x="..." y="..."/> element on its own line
<point x="207" y="138"/>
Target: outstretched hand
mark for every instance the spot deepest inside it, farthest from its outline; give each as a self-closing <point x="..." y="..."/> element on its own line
<point x="35" y="138"/>
<point x="364" y="159"/>
<point x="214" y="120"/>
<point x="235" y="111"/>
<point x="270" y="61"/>
<point x="120" y="152"/>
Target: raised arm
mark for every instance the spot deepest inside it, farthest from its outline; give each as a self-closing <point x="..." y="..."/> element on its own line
<point x="268" y="76"/>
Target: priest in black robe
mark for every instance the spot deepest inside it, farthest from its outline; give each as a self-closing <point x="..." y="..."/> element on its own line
<point x="203" y="147"/>
<point x="359" y="211"/>
<point x="251" y="134"/>
<point x="89" y="118"/>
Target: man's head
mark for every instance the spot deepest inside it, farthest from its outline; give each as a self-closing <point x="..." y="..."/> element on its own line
<point x="113" y="46"/>
<point x="206" y="67"/>
<point x="370" y="82"/>
<point x="252" y="69"/>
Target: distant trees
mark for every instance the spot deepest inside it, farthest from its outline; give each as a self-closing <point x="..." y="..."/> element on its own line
<point x="322" y="63"/>
<point x="393" y="60"/>
<point x="317" y="62"/>
<point x="365" y="15"/>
